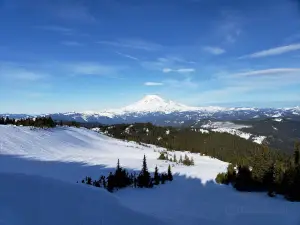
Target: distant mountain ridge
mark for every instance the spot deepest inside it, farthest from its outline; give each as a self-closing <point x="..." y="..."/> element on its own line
<point x="159" y="111"/>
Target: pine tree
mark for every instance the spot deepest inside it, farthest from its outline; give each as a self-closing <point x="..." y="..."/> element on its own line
<point x="192" y="163"/>
<point x="174" y="158"/>
<point x="110" y="182"/>
<point x="269" y="180"/>
<point x="156" y="176"/>
<point x="144" y="177"/>
<point x="170" y="176"/>
<point x="180" y="159"/>
<point x="296" y="154"/>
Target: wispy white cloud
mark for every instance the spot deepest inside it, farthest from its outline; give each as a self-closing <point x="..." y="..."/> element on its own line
<point x="77" y="12"/>
<point x="214" y="50"/>
<point x="230" y="27"/>
<point x="16" y="72"/>
<point x="268" y="72"/>
<point x="72" y="43"/>
<point x="55" y="28"/>
<point x="175" y="59"/>
<point x="153" y="84"/>
<point x="62" y="30"/>
<point x="127" y="56"/>
<point x="182" y="70"/>
<point x="274" y="51"/>
<point x="91" y="68"/>
<point x="132" y="43"/>
<point x="185" y="83"/>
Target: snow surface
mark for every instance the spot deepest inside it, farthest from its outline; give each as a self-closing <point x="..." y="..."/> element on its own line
<point x="225" y="124"/>
<point x="69" y="154"/>
<point x="30" y="200"/>
<point x="233" y="132"/>
<point x="259" y="139"/>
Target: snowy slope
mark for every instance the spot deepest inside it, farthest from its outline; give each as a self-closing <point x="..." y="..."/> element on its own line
<point x="232" y="128"/>
<point x="83" y="146"/>
<point x="69" y="154"/>
<point x="33" y="200"/>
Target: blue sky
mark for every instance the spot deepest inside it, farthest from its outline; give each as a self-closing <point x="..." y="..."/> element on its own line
<point x="90" y="55"/>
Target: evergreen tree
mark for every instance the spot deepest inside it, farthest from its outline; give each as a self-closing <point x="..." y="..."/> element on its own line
<point x="180" y="159"/>
<point x="170" y="176"/>
<point x="174" y="158"/>
<point x="192" y="161"/>
<point x="296" y="154"/>
<point x="110" y="182"/>
<point x="156" y="176"/>
<point x="243" y="180"/>
<point x="144" y="177"/>
<point x="162" y="156"/>
<point x="269" y="180"/>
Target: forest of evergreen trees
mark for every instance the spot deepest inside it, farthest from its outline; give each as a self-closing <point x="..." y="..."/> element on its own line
<point x="274" y="177"/>
<point x="253" y="167"/>
<point x="121" y="178"/>
<point x="35" y="122"/>
<point x="223" y="146"/>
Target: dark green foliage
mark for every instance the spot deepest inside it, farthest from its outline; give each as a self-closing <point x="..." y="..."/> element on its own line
<point x="156" y="176"/>
<point x="269" y="180"/>
<point x="110" y="182"/>
<point x="170" y="176"/>
<point x="231" y="174"/>
<point x="88" y="180"/>
<point x="121" y="179"/>
<point x="243" y="181"/>
<point x="174" y="158"/>
<point x="221" y="178"/>
<point x="187" y="161"/>
<point x="223" y="146"/>
<point x="180" y="159"/>
<point x="296" y="153"/>
<point x="164" y="178"/>
<point x="43" y="122"/>
<point x="162" y="156"/>
<point x="144" y="177"/>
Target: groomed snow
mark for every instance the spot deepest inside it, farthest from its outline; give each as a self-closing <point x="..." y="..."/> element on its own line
<point x="69" y="154"/>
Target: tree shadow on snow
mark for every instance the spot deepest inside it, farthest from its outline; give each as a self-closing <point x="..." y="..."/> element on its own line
<point x="185" y="200"/>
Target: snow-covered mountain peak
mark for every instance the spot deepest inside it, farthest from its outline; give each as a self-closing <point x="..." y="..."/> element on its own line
<point x="154" y="103"/>
<point x="152" y="98"/>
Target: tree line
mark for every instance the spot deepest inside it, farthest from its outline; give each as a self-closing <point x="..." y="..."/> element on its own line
<point x="35" y="122"/>
<point x="253" y="167"/>
<point x="223" y="146"/>
<point x="273" y="177"/>
<point x="185" y="161"/>
<point x="121" y="178"/>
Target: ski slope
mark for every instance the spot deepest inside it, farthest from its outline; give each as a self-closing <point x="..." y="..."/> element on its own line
<point x="47" y="164"/>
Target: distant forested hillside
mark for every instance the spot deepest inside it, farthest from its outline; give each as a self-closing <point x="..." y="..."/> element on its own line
<point x="226" y="147"/>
